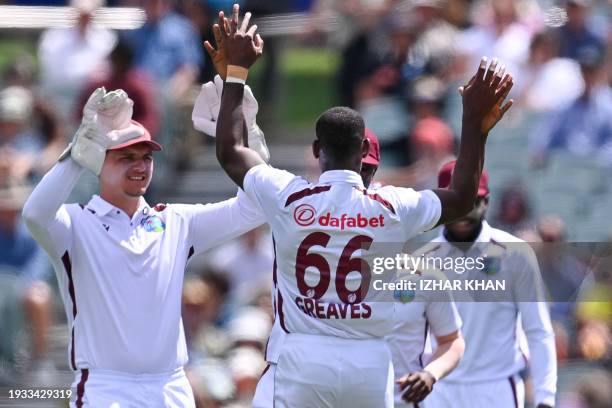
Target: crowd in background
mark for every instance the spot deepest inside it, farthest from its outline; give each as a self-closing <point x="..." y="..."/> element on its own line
<point x="400" y="65"/>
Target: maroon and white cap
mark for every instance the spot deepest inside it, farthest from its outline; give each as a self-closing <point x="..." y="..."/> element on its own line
<point x="446" y="173"/>
<point x="135" y="133"/>
<point x="373" y="157"/>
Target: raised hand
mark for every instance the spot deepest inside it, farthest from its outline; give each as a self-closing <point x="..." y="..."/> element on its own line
<point x="219" y="55"/>
<point x="114" y="111"/>
<point x="242" y="46"/>
<point x="485" y="93"/>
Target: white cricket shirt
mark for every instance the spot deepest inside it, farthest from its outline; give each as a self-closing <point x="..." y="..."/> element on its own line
<point x="491" y="346"/>
<point x="320" y="231"/>
<point x="121" y="278"/>
<point x="416" y="316"/>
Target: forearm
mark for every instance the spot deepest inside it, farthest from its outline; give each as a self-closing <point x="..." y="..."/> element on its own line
<point x="446" y="358"/>
<point x="234" y="157"/>
<point x="51" y="192"/>
<point x="230" y="124"/>
<point x="470" y="163"/>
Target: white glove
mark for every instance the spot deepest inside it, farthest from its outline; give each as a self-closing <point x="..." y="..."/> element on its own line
<point x="102" y="113"/>
<point x="206" y="112"/>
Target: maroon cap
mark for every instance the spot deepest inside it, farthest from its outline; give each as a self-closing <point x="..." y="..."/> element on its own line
<point x="446" y="172"/>
<point x="373" y="157"/>
<point x="134" y="134"/>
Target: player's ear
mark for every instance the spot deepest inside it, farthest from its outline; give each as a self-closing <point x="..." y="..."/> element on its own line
<point x="315" y="148"/>
<point x="365" y="147"/>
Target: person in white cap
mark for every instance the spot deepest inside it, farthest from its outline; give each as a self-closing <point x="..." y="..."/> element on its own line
<point x="69" y="56"/>
<point x="120" y="262"/>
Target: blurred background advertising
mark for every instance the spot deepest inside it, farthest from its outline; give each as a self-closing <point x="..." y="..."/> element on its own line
<point x="399" y="63"/>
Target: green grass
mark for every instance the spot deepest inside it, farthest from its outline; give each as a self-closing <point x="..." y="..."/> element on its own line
<point x="12" y="48"/>
<point x="308" y="86"/>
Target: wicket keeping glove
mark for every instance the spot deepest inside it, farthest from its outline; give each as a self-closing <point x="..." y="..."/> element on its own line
<point x="102" y="113"/>
<point x="206" y="112"/>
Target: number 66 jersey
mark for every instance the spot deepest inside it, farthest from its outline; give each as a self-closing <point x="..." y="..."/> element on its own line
<point x="323" y="234"/>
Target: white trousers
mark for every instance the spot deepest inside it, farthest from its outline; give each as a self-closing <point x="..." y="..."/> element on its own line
<point x="328" y="372"/>
<point x="504" y="393"/>
<point x="109" y="389"/>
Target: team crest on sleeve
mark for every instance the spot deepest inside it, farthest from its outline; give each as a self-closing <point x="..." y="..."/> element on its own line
<point x="153" y="223"/>
<point x="492" y="265"/>
<point x="404" y="296"/>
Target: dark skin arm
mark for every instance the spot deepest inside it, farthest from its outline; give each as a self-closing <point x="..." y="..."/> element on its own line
<point x="483" y="99"/>
<point x="242" y="49"/>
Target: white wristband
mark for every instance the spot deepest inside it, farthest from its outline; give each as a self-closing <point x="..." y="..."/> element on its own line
<point x="235" y="80"/>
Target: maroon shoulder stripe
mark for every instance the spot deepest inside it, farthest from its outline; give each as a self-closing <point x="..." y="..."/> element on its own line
<point x="81" y="387"/>
<point x="379" y="199"/>
<point x="305" y="193"/>
<point x="68" y="267"/>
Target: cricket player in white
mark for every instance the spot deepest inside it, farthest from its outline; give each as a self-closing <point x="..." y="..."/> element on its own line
<point x="120" y="262"/>
<point x="488" y="373"/>
<point x="323" y="231"/>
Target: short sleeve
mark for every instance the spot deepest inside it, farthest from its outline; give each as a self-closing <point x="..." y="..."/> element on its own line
<point x="443" y="317"/>
<point x="419" y="211"/>
<point x="265" y="184"/>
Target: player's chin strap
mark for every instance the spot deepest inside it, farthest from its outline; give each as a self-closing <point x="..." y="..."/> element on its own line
<point x="206" y="111"/>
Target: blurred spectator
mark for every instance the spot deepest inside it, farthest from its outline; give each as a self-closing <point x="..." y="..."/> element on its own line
<point x="69" y="56"/>
<point x="546" y="71"/>
<point x="432" y="142"/>
<point x="434" y="49"/>
<point x="248" y="262"/>
<point x="20" y="72"/>
<point x="204" y="303"/>
<point x="514" y="213"/>
<point x="250" y="328"/>
<point x="167" y="48"/>
<point x="576" y="34"/>
<point x="353" y="37"/>
<point x="379" y="89"/>
<point x="22" y="258"/>
<point x="249" y="332"/>
<point x="203" y="14"/>
<point x="427" y="97"/>
<point x="594" y="341"/>
<point x="592" y="390"/>
<point x="562" y="272"/>
<point x="585" y="126"/>
<point x="246" y="365"/>
<point x="501" y="34"/>
<point x="137" y="84"/>
<point x="24" y="151"/>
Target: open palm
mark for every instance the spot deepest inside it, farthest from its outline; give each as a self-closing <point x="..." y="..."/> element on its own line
<point x="503" y="84"/>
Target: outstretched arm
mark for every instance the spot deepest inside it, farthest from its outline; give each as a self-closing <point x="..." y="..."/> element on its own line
<point x="483" y="107"/>
<point x="242" y="50"/>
